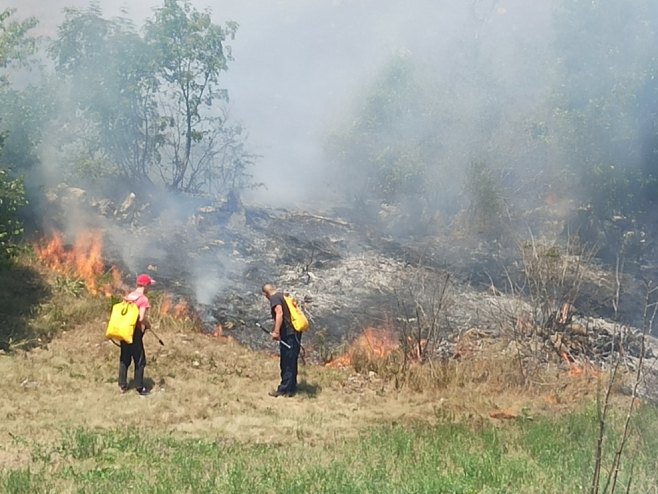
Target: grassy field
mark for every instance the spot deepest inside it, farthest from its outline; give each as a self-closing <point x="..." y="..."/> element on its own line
<point x="533" y="456"/>
<point x="209" y="425"/>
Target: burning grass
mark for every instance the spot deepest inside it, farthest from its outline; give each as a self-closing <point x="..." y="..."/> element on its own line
<point x="167" y="309"/>
<point x="370" y="351"/>
<point x="83" y="260"/>
<point x="36" y="304"/>
<point x="60" y="286"/>
<point x="485" y="365"/>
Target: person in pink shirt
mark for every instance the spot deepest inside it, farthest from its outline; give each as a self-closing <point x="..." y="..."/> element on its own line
<point x="134" y="352"/>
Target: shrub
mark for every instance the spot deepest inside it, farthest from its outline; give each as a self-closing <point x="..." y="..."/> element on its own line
<point x="12" y="198"/>
<point x="487" y="209"/>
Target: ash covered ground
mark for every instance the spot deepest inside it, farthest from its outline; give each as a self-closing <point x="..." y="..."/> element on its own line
<point x="348" y="268"/>
<point x="350" y="273"/>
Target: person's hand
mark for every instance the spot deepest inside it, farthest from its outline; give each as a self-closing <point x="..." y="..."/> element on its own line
<point x="276" y="336"/>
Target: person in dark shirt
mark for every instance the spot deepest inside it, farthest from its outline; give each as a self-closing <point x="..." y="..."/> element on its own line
<point x="283" y="332"/>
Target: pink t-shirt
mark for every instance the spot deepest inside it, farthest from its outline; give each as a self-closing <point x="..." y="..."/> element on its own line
<point x="139" y="299"/>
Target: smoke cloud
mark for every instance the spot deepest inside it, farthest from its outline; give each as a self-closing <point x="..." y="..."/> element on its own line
<point x="301" y="66"/>
<point x="490" y="72"/>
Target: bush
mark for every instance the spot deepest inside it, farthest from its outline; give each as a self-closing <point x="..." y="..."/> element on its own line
<point x="553" y="275"/>
<point x="487" y="211"/>
<point x="614" y="190"/>
<point x="12" y="198"/>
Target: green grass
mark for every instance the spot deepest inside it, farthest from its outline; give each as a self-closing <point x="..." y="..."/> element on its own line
<point x="538" y="456"/>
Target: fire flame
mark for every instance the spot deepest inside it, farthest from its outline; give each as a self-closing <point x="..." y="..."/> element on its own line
<point x="165" y="305"/>
<point x="218" y="332"/>
<point x="375" y="343"/>
<point x="117" y="281"/>
<point x="180" y="310"/>
<point x="83" y="260"/>
<point x="576" y="370"/>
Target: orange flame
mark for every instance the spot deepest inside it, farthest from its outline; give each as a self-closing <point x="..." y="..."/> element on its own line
<point x="88" y="261"/>
<point x="340" y="362"/>
<point x="376" y="343"/>
<point x="165" y="305"/>
<point x="115" y="284"/>
<point x="218" y="332"/>
<point x="576" y="370"/>
<point x="180" y="310"/>
<point x="52" y="253"/>
<point x="83" y="260"/>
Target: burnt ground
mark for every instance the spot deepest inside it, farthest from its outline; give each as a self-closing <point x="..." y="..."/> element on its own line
<point x="349" y="270"/>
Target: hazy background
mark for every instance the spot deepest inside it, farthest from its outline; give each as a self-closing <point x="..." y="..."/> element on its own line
<point x="300" y="64"/>
<point x="478" y="118"/>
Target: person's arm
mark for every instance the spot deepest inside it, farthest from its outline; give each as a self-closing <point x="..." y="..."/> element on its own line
<point x="278" y="322"/>
<point x="144" y="322"/>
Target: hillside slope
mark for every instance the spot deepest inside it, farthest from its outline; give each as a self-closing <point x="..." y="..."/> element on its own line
<point x="205" y="386"/>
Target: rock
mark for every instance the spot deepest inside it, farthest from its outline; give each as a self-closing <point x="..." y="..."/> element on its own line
<point x="128" y="209"/>
<point x="105" y="207"/>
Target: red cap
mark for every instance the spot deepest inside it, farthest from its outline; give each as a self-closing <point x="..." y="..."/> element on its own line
<point x="145" y="280"/>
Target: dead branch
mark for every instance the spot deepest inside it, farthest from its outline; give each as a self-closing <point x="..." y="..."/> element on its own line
<point x="648" y="326"/>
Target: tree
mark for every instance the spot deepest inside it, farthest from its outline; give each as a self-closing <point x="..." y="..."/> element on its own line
<point x="387" y="147"/>
<point x="15" y="44"/>
<point x="15" y="47"/>
<point x="145" y="102"/>
<point x="111" y="77"/>
<point x="605" y="105"/>
<point x="12" y="197"/>
<point x="190" y="55"/>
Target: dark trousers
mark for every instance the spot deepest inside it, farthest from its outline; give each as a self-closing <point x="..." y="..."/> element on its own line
<point x="288" y="362"/>
<point x="133" y="352"/>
